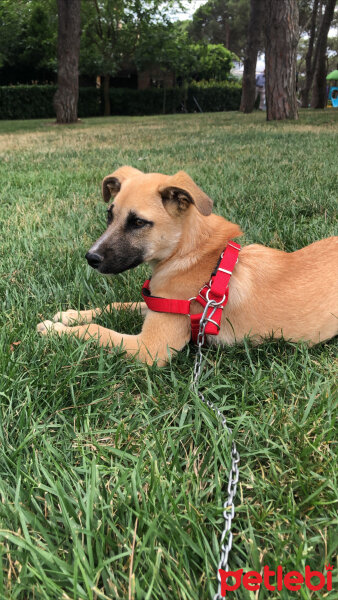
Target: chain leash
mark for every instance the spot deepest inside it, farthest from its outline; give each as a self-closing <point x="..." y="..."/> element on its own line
<point x="228" y="506"/>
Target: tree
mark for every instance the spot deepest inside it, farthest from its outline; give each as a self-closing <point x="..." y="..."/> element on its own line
<point x="214" y="62"/>
<point x="66" y="97"/>
<point x="169" y="48"/>
<point x="282" y="32"/>
<point x="27" y="41"/>
<point x="222" y="22"/>
<point x="313" y="15"/>
<point x="309" y="63"/>
<point x="332" y="49"/>
<point x="319" y="88"/>
<point x="112" y="31"/>
<point x="255" y="29"/>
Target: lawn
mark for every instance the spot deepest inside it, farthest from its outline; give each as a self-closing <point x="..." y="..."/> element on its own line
<point x="113" y="474"/>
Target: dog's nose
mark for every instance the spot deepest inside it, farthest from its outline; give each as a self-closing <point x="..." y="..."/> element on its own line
<point x="94" y="259"/>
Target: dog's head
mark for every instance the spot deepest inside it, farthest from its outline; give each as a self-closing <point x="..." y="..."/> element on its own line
<point x="146" y="219"/>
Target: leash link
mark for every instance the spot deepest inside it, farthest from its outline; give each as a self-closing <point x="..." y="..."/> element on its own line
<point x="233" y="476"/>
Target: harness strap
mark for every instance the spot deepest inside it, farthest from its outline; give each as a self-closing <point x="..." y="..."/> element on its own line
<point x="217" y="290"/>
<point x="168" y="305"/>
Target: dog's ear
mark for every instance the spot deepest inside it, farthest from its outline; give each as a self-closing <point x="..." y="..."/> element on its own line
<point x="183" y="191"/>
<point x="111" y="184"/>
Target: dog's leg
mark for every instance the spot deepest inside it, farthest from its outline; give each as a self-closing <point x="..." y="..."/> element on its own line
<point x="141" y="307"/>
<point x="72" y="316"/>
<point x="160" y="334"/>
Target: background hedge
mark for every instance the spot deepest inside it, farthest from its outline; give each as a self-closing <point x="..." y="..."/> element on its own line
<point x="214" y="97"/>
<point x="36" y="101"/>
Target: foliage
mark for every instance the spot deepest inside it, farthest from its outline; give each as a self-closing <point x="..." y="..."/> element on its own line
<point x="113" y="474"/>
<point x="211" y="96"/>
<point x="26" y="101"/>
<point x="169" y="47"/>
<point x="112" y="30"/>
<point x="222" y="22"/>
<point x="214" y="96"/>
<point x="125" y="33"/>
<point x="332" y="47"/>
<point x="305" y="8"/>
<point x="115" y="34"/>
<point x="151" y="101"/>
<point x="90" y="104"/>
<point x="36" y="102"/>
<point x="213" y="62"/>
<point x="27" y="41"/>
<point x="32" y="102"/>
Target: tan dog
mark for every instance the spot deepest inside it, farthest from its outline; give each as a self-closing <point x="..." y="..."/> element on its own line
<point x="166" y="221"/>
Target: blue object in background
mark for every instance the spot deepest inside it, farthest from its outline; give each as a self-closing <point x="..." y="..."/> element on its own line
<point x="334" y="100"/>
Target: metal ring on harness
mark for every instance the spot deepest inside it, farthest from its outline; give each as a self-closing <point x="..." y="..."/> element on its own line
<point x="213" y="302"/>
<point x="190" y="301"/>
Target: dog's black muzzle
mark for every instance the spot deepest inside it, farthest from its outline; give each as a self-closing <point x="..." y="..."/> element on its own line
<point x="112" y="262"/>
<point x="94" y="259"/>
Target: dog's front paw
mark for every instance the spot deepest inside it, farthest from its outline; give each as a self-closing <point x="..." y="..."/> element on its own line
<point x="50" y="327"/>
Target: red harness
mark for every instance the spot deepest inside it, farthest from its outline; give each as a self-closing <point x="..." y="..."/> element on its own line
<point x="216" y="290"/>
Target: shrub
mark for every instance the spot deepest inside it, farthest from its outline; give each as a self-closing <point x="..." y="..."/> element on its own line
<point x="36" y="101"/>
<point x="145" y="102"/>
<point x="27" y="101"/>
<point x="214" y="96"/>
<point x="211" y="96"/>
<point x="89" y="102"/>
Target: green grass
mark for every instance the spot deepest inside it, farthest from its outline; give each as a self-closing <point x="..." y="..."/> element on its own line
<point x="112" y="475"/>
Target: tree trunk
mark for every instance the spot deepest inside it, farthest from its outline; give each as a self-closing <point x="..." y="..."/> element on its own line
<point x="309" y="63"/>
<point x="66" y="97"/>
<point x="280" y="58"/>
<point x="106" y="96"/>
<point x="319" y="87"/>
<point x="253" y="40"/>
<point x="227" y="35"/>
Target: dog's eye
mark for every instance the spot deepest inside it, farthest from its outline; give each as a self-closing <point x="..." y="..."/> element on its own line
<point x="134" y="222"/>
<point x="138" y="223"/>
